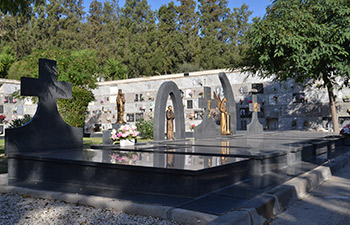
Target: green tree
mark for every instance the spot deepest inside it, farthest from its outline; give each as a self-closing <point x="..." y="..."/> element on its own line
<point x="15" y="7"/>
<point x="213" y="19"/>
<point x="114" y="70"/>
<point x="188" y="25"/>
<point x="7" y="58"/>
<point x="308" y="41"/>
<point x="169" y="51"/>
<point x="138" y="36"/>
<point x="78" y="67"/>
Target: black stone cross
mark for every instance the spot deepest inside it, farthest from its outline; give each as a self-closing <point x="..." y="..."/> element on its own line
<point x="207" y="101"/>
<point x="46" y="87"/>
<point x="47" y="131"/>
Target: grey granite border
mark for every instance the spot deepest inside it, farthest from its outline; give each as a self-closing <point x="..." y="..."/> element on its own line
<point x="279" y="198"/>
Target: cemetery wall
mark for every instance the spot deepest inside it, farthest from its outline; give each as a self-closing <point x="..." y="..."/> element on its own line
<point x="284" y="106"/>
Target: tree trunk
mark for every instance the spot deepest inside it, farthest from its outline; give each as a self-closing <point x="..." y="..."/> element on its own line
<point x="333" y="110"/>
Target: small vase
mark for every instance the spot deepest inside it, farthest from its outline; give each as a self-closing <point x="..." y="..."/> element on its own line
<point x="127" y="142"/>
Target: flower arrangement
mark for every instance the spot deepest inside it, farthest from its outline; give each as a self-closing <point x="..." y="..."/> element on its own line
<point x="201" y="93"/>
<point x="125" y="158"/>
<point x="150" y="97"/>
<point x="345" y="131"/>
<point x="124" y="132"/>
<point x="5" y="100"/>
<point x="142" y="108"/>
<point x="14" y="100"/>
<point x="101" y="101"/>
<point x="191" y="93"/>
<point x="192" y="126"/>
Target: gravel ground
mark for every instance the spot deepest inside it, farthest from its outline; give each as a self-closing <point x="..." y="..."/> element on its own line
<point x="21" y="209"/>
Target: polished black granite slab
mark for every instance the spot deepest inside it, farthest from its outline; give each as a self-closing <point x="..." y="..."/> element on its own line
<point x="211" y="150"/>
<point x="182" y="175"/>
<point x="167" y="160"/>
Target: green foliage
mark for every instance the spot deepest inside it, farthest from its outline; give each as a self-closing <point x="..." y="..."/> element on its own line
<point x="187" y="67"/>
<point x="145" y="127"/>
<point x="127" y="41"/>
<point x="20" y="122"/>
<point x="114" y="70"/>
<point x="73" y="111"/>
<point x="77" y="67"/>
<point x="308" y="41"/>
<point x="7" y="58"/>
<point x="302" y="40"/>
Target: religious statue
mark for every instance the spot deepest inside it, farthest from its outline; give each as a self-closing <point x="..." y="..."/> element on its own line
<point x="170" y="116"/>
<point x="209" y="108"/>
<point x="256" y="107"/>
<point x="224" y="115"/>
<point x="120" y="106"/>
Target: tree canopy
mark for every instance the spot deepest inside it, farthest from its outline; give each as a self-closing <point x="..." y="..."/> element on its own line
<point x="132" y="39"/>
<point x="307" y="40"/>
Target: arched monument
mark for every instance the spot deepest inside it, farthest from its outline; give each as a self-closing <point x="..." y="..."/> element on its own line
<point x="167" y="89"/>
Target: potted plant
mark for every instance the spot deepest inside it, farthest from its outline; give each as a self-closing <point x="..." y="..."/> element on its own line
<point x="345" y="133"/>
<point x="126" y="135"/>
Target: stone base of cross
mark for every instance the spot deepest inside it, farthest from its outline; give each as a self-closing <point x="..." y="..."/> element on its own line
<point x="255" y="127"/>
<point x="208" y="128"/>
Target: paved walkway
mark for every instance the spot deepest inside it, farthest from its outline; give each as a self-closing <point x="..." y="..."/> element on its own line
<point x="327" y="204"/>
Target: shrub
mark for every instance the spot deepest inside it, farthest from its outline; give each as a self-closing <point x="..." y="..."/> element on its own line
<point x="145" y="127"/>
<point x="20" y="122"/>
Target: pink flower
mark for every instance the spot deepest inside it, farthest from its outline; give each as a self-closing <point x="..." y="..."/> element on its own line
<point x="114" y="137"/>
<point x="114" y="156"/>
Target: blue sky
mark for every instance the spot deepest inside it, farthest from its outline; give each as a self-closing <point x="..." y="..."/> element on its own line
<point x="257" y="6"/>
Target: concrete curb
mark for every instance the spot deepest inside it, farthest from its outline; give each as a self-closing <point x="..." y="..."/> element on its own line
<point x="163" y="212"/>
<point x="275" y="201"/>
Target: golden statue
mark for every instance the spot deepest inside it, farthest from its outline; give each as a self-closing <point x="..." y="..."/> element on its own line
<point x="209" y="108"/>
<point x="120" y="106"/>
<point x="256" y="107"/>
<point x="170" y="116"/>
<point x="224" y="115"/>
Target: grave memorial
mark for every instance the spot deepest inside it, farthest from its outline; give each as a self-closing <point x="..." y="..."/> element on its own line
<point x="186" y="174"/>
<point x="255" y="127"/>
<point x="46" y="131"/>
<point x="208" y="128"/>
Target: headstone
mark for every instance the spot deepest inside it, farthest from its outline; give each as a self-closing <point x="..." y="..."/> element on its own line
<point x="167" y="89"/>
<point x="255" y="127"/>
<point x="208" y="128"/>
<point x="230" y="104"/>
<point x="46" y="131"/>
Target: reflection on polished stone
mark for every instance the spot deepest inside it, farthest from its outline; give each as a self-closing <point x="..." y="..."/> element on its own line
<point x="168" y="160"/>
